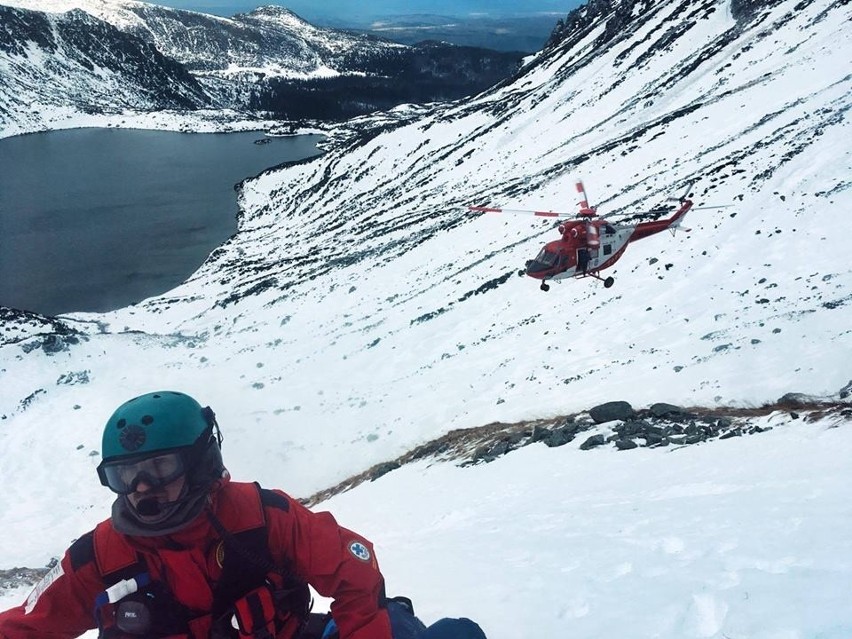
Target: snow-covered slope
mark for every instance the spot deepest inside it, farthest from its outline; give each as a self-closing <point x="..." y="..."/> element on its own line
<point x="75" y="62"/>
<point x="361" y="309"/>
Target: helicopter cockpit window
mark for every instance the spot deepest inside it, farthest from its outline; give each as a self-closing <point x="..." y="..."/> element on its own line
<point x="546" y="258"/>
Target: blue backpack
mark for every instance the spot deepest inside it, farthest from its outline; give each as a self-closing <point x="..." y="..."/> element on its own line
<point x="405" y="625"/>
<point x="461" y="628"/>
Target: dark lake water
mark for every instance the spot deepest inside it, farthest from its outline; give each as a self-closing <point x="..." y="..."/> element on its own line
<point x="96" y="219"/>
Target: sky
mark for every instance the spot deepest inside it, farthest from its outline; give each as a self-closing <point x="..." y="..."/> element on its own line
<point x="361" y="311"/>
<point x="355" y="10"/>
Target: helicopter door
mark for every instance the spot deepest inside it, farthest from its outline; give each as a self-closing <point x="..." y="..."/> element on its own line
<point x="583" y="256"/>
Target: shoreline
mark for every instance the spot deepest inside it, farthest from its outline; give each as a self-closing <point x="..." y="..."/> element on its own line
<point x="41" y="302"/>
<point x="201" y="121"/>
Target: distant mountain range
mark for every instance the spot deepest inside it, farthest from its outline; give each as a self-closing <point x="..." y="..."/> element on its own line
<point x="97" y="55"/>
<point x="505" y="33"/>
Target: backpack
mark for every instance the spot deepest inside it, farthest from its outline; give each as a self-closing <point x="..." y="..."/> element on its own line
<point x="406" y="625"/>
<point x="252" y="599"/>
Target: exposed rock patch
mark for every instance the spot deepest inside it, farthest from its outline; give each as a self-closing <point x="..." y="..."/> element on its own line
<point x="661" y="425"/>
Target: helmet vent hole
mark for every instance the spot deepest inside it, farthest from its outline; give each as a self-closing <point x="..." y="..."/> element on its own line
<point x="147" y="419"/>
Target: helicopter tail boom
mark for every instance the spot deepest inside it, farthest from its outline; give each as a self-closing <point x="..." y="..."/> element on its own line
<point x="645" y="229"/>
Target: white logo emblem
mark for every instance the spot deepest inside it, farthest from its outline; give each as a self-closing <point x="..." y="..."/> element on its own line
<point x="359" y="550"/>
<point x="55" y="573"/>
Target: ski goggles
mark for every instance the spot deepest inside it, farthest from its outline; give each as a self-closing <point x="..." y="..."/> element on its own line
<point x="124" y="476"/>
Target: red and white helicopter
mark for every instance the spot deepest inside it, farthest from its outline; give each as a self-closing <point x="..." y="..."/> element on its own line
<point x="590" y="244"/>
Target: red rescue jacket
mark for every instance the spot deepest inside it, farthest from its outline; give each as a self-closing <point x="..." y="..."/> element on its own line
<point x="186" y="568"/>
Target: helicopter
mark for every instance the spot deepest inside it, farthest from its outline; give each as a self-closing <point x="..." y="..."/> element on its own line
<point x="589" y="243"/>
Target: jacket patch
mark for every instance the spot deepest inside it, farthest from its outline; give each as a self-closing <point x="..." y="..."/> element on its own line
<point x="359" y="551"/>
<point x="53" y="574"/>
<point x="220" y="554"/>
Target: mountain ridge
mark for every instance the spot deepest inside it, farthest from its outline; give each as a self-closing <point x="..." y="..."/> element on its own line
<point x="122" y="72"/>
<point x="262" y="61"/>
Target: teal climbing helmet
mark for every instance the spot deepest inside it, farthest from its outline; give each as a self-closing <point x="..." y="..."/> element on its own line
<point x="169" y="427"/>
<point x="153" y="422"/>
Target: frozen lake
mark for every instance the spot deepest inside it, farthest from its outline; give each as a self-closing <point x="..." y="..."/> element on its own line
<point x="96" y="219"/>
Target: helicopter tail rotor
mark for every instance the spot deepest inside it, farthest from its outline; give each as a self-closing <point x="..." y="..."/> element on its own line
<point x="685" y="195"/>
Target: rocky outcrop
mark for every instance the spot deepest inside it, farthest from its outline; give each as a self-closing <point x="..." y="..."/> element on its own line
<point x="661" y="425"/>
<point x="31" y="330"/>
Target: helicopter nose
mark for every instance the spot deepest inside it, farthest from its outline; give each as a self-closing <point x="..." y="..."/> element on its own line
<point x="534" y="267"/>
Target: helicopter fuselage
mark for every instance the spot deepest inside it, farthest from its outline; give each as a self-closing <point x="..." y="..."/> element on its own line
<point x="573" y="256"/>
<point x="590" y="244"/>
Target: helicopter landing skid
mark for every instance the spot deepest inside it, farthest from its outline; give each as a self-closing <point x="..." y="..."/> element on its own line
<point x="607" y="282"/>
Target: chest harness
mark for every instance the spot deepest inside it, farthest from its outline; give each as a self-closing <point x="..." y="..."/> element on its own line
<point x="252" y="599"/>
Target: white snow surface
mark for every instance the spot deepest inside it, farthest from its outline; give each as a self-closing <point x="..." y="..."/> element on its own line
<point x="118" y="13"/>
<point x="361" y="310"/>
<point x="737" y="538"/>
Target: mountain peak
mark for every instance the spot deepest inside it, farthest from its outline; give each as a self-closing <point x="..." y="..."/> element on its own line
<point x="279" y="15"/>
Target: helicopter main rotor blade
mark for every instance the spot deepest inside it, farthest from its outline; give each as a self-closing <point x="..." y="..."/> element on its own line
<point x="655" y="214"/>
<point x="585" y="209"/>
<point x="652" y="213"/>
<point x="488" y="209"/>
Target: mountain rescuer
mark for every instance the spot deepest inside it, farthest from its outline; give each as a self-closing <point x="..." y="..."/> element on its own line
<point x="188" y="553"/>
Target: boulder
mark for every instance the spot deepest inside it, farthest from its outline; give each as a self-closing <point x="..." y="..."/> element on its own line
<point x="383" y="469"/>
<point x="625" y="444"/>
<point x="592" y="442"/>
<point x="612" y="411"/>
<point x="661" y="409"/>
<point x="558" y="438"/>
<point x="795" y="400"/>
<point x="540" y="433"/>
<point x="632" y="427"/>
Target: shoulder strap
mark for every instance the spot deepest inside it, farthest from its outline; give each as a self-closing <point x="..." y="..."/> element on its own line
<point x="247" y="563"/>
<point x="239" y="507"/>
<point x="122" y="571"/>
<point x="246" y="559"/>
<point x="115" y="558"/>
